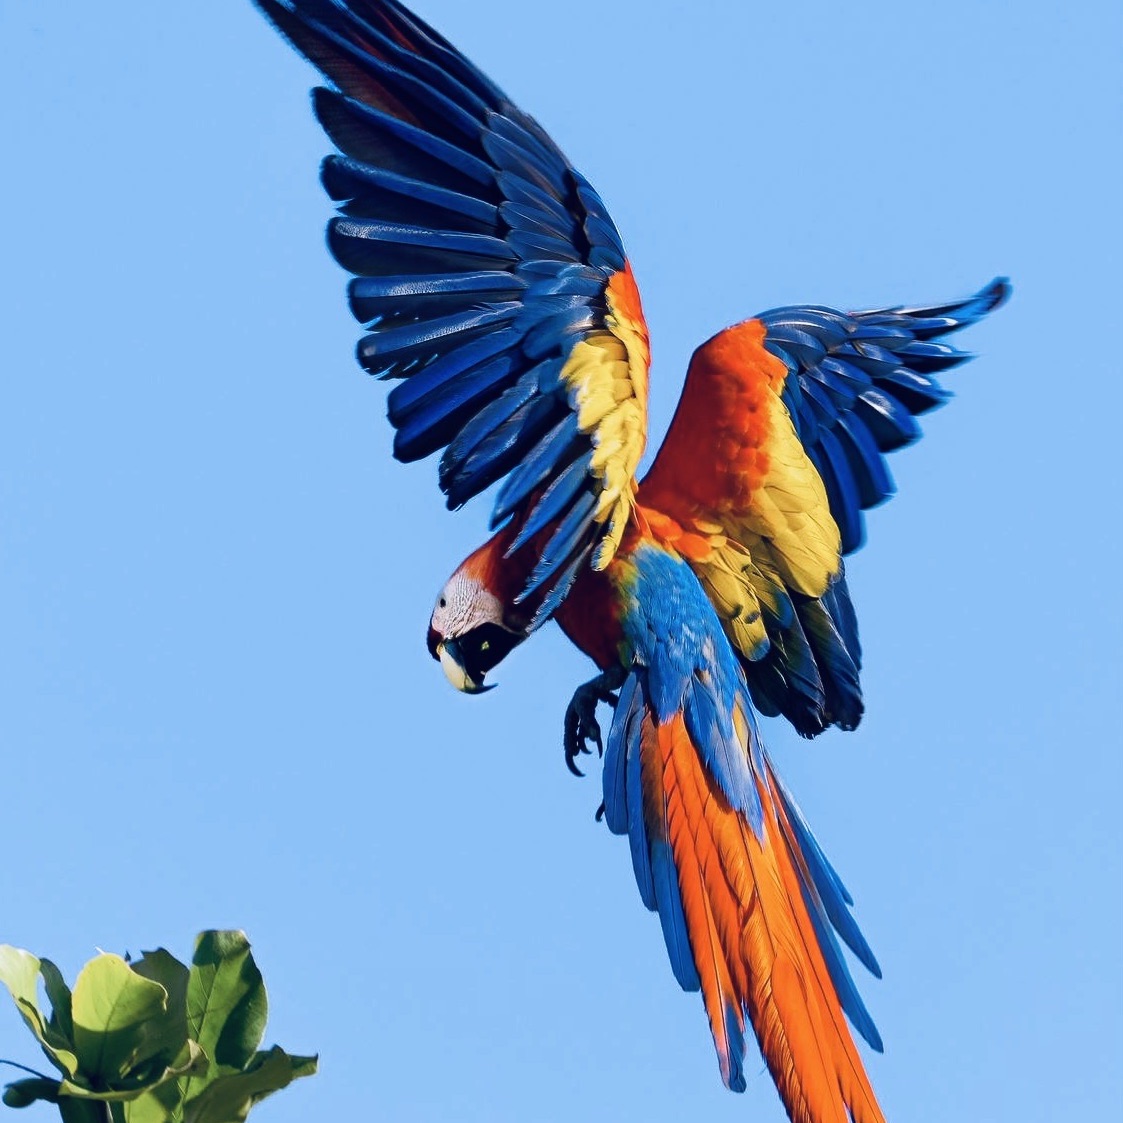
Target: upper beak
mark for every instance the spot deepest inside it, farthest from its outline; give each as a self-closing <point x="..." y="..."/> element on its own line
<point x="452" y="663"/>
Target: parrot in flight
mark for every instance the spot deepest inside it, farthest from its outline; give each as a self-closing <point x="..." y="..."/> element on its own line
<point x="494" y="287"/>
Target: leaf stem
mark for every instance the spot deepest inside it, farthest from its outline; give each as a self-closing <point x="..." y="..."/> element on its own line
<point x="24" y="1068"/>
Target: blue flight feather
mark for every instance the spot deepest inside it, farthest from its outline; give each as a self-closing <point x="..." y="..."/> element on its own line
<point x="835" y="899"/>
<point x="569" y="533"/>
<point x="800" y="344"/>
<point x="550" y="451"/>
<point x="522" y="216"/>
<point x="838" y="672"/>
<point x="437" y="419"/>
<point x="851" y="380"/>
<point x="380" y="138"/>
<point x="450" y="241"/>
<point x="535" y="244"/>
<point x="520" y="131"/>
<point x="519" y="190"/>
<point x="508" y="410"/>
<point x="672" y="919"/>
<point x="376" y="188"/>
<point x="329" y="26"/>
<point x="869" y="356"/>
<point x="815" y="393"/>
<point x="432" y="336"/>
<point x="555" y="564"/>
<point x="930" y="358"/>
<point x="638" y="840"/>
<point x="890" y="422"/>
<point x="514" y="150"/>
<point x="848" y="997"/>
<point x="558" y="589"/>
<point x="441" y="377"/>
<point x="871" y="473"/>
<point x="616" y="757"/>
<point x="426" y="297"/>
<point x="846" y="507"/>
<point x="501" y="450"/>
<point x="556" y="332"/>
<point x="508" y="157"/>
<point x="553" y="501"/>
<point x="599" y="227"/>
<point x="557" y="278"/>
<point x="916" y="392"/>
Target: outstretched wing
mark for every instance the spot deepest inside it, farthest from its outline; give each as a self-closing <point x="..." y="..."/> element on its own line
<point x="490" y="279"/>
<point x="776" y="449"/>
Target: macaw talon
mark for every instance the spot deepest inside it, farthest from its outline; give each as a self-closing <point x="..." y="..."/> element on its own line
<point x="581" y="725"/>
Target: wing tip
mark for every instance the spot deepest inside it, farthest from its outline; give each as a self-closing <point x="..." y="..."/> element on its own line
<point x="996" y="294"/>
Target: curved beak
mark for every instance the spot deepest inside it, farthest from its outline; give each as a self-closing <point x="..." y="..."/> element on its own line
<point x="451" y="655"/>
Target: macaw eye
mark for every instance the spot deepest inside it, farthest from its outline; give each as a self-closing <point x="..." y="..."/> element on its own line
<point x="442" y="603"/>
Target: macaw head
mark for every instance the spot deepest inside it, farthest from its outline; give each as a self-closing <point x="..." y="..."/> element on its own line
<point x="475" y="624"/>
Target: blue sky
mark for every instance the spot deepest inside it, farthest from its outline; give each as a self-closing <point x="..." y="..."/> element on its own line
<point x="216" y="707"/>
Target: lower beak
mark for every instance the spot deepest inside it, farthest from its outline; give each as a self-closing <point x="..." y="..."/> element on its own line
<point x="452" y="663"/>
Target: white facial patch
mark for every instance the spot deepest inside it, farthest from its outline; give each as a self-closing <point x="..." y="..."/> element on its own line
<point x="464" y="604"/>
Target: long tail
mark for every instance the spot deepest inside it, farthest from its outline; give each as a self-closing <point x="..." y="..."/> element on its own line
<point x="748" y="902"/>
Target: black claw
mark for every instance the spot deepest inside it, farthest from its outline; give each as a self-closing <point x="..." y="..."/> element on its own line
<point x="600" y="811"/>
<point x="581" y="726"/>
<point x="572" y="739"/>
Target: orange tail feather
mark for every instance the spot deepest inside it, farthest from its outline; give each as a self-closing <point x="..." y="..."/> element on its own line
<point x="753" y="941"/>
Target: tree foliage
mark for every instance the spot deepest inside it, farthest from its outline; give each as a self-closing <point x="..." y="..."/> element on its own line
<point x="154" y="1040"/>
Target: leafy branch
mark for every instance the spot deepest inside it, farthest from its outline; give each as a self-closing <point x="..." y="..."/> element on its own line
<point x="151" y="1041"/>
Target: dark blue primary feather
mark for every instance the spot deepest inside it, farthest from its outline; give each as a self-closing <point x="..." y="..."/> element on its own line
<point x="457" y="208"/>
<point x="382" y="299"/>
<point x="810" y="669"/>
<point x="365" y="191"/>
<point x="557" y="447"/>
<point x="857" y="380"/>
<point x="555" y="500"/>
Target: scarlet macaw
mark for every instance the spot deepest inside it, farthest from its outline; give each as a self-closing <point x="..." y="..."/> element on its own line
<point x="494" y="284"/>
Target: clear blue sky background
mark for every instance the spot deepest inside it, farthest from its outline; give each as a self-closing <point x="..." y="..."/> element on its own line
<point x="216" y="707"/>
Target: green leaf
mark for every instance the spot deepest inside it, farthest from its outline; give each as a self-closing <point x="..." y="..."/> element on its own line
<point x="228" y="1098"/>
<point x="19" y="972"/>
<point x="62" y="1020"/>
<point x="161" y="1104"/>
<point x="226" y="1001"/>
<point x="82" y="1111"/>
<point x="192" y="1063"/>
<point x="165" y="1037"/>
<point x="22" y="1093"/>
<point x="112" y="1008"/>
